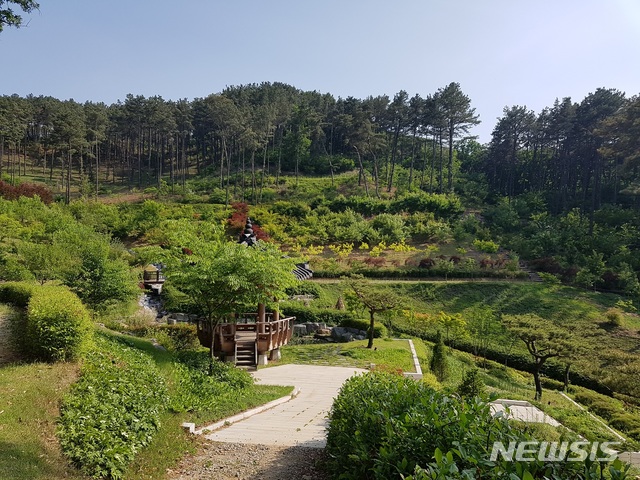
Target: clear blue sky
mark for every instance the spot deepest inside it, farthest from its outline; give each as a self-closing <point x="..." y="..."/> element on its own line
<point x="502" y="52"/>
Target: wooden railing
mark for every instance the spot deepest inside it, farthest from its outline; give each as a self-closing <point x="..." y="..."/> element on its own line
<point x="269" y="335"/>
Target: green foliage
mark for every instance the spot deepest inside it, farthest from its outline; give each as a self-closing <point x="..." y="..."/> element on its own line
<point x="442" y="205"/>
<point x="304" y="288"/>
<point x="379" y="330"/>
<point x="471" y="385"/>
<point x="486" y="246"/>
<point x="175" y="338"/>
<point x="113" y="410"/>
<point x="614" y="317"/>
<point x="58" y="324"/>
<point x="439" y="363"/>
<point x="222" y="277"/>
<point x="203" y="383"/>
<point x="15" y="293"/>
<point x="315" y="315"/>
<point x="386" y="426"/>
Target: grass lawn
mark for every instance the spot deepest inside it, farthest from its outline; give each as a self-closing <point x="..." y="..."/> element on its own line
<point x="30" y="396"/>
<point x="392" y="353"/>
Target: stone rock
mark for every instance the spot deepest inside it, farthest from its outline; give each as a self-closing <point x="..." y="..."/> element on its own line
<point x="337" y="332"/>
<point x="323" y="331"/>
<point x="360" y="337"/>
<point x="300" y="330"/>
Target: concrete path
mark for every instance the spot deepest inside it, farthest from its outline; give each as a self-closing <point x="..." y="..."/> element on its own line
<point x="523" y="411"/>
<point x="299" y="422"/>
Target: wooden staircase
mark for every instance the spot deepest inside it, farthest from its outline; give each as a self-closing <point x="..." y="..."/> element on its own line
<point x="246" y="349"/>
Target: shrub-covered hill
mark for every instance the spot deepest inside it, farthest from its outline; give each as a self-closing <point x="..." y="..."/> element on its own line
<point x="608" y="336"/>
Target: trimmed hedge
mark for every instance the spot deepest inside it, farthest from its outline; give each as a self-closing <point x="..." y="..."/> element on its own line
<point x="379" y="330"/>
<point x="16" y="293"/>
<point x="58" y="324"/>
<point x="314" y="315"/>
<point x="399" y="273"/>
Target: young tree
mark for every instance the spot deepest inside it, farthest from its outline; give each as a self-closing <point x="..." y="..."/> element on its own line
<point x="373" y="299"/>
<point x="454" y="325"/>
<point x="91" y="268"/>
<point x="541" y="337"/>
<point x="439" y="363"/>
<point x="471" y="385"/>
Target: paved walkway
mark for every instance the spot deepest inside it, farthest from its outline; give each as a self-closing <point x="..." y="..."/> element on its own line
<point x="299" y="422"/>
<point x="523" y="411"/>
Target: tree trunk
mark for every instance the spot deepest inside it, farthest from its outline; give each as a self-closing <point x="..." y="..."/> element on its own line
<point x="566" y="376"/>
<point x="371" y="326"/>
<point x="536" y="379"/>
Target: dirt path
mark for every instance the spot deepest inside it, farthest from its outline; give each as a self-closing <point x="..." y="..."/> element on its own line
<point x="226" y="461"/>
<point x="6" y="352"/>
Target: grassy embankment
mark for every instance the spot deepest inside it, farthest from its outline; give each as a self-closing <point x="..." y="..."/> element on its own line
<point x="30" y="396"/>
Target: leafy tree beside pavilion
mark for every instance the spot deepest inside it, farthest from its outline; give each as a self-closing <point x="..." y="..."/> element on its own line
<point x="222" y="277"/>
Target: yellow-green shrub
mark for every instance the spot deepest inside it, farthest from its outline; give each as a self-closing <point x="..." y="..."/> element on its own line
<point x="58" y="324"/>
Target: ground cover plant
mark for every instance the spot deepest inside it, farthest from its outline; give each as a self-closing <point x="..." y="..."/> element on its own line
<point x="113" y="411"/>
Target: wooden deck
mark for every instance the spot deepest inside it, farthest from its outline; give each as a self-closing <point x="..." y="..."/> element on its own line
<point x="249" y="341"/>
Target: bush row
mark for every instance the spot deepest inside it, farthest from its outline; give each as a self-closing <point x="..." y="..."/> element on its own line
<point x="57" y="324"/>
<point x="113" y="410"/>
<point x="386" y="426"/>
<point x="314" y="315"/>
<point x="16" y="293"/>
<point x="395" y="273"/>
<point x="441" y="205"/>
<point x="379" y="330"/>
<point x="330" y="317"/>
<point x="177" y="337"/>
<point x="612" y="410"/>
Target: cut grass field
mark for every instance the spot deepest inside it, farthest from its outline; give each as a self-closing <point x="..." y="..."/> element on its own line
<point x="392" y="353"/>
<point x="30" y="396"/>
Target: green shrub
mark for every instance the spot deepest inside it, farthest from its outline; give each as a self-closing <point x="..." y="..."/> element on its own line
<point x="471" y="385"/>
<point x="314" y="315"/>
<point x="486" y="246"/>
<point x="625" y="421"/>
<point x="58" y="324"/>
<point x="16" y="293"/>
<point x="379" y="330"/>
<point x="384" y="426"/>
<point x="200" y="382"/>
<point x="176" y="337"/>
<point x="113" y="410"/>
<point x="304" y="288"/>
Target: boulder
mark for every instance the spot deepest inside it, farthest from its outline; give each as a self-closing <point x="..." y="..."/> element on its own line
<point x="300" y="330"/>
